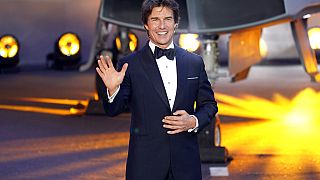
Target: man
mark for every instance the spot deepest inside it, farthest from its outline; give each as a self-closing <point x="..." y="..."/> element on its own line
<point x="161" y="83"/>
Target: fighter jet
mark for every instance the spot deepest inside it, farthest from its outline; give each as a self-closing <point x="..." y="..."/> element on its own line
<point x="243" y="20"/>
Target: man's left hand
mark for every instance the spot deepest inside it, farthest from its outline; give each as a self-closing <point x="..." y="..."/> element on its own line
<point x="179" y="122"/>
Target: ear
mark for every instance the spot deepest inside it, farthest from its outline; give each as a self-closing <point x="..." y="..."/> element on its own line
<point x="175" y="26"/>
<point x="146" y="27"/>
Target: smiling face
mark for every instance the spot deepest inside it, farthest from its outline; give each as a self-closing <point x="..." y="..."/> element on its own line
<point x="161" y="26"/>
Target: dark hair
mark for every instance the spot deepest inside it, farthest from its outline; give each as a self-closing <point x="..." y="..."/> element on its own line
<point x="148" y="5"/>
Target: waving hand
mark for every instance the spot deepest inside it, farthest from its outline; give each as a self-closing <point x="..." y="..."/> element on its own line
<point x="110" y="76"/>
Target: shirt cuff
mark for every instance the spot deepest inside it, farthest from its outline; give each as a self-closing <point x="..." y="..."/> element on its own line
<point x="111" y="98"/>
<point x="195" y="129"/>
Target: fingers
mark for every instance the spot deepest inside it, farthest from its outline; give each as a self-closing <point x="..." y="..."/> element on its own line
<point x="171" y="127"/>
<point x="101" y="66"/>
<point x="102" y="62"/>
<point x="124" y="69"/>
<point x="99" y="72"/>
<point x="172" y="122"/>
<point x="180" y="112"/>
<point x="172" y="118"/>
<point x="175" y="131"/>
<point x="178" y="117"/>
<point x="109" y="62"/>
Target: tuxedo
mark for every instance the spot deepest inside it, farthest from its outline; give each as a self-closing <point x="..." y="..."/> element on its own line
<point x="153" y="153"/>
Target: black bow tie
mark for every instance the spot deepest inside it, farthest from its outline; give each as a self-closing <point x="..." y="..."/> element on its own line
<point x="169" y="53"/>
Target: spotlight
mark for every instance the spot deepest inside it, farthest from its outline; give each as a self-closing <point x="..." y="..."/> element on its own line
<point x="9" y="51"/>
<point x="306" y="16"/>
<point x="67" y="52"/>
<point x="314" y="37"/>
<point x="126" y="41"/>
<point x="189" y="42"/>
<point x="263" y="48"/>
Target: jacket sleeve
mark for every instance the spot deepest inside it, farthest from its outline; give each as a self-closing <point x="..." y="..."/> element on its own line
<point x="120" y="102"/>
<point x="206" y="105"/>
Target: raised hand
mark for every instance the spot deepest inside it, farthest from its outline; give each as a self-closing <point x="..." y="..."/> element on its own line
<point x="110" y="76"/>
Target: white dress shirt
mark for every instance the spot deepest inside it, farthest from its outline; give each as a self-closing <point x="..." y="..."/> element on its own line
<point x="168" y="71"/>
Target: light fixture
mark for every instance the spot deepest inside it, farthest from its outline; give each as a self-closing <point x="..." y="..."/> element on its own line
<point x="189" y="42"/>
<point x="9" y="51"/>
<point x="314" y="37"/>
<point x="69" y="44"/>
<point x="127" y="38"/>
<point x="263" y="48"/>
<point x="306" y="16"/>
<point x="67" y="52"/>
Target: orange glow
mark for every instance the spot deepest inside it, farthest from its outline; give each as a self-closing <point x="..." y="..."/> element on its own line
<point x="286" y="130"/>
<point x="96" y="96"/>
<point x="36" y="109"/>
<point x="133" y="42"/>
<point x="286" y="126"/>
<point x="317" y="77"/>
<point x="305" y="106"/>
<point x="55" y="101"/>
<point x="78" y="109"/>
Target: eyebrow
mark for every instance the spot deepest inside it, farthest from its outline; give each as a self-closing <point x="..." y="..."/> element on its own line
<point x="168" y="17"/>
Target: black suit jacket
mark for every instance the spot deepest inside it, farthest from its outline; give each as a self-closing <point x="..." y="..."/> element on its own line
<point x="151" y="150"/>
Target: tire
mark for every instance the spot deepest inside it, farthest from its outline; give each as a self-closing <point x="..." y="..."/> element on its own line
<point x="217" y="132"/>
<point x="210" y="136"/>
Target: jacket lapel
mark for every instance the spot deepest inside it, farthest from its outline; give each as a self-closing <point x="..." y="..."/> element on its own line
<point x="181" y="76"/>
<point x="150" y="66"/>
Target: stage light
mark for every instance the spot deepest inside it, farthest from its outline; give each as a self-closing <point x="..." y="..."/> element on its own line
<point x="314" y="37"/>
<point x="9" y="51"/>
<point x="263" y="48"/>
<point x="189" y="42"/>
<point x="133" y="44"/>
<point x="69" y="44"/>
<point x="131" y="37"/>
<point x="67" y="52"/>
<point x="306" y="16"/>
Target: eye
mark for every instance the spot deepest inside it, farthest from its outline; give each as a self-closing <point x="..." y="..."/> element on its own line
<point x="154" y="19"/>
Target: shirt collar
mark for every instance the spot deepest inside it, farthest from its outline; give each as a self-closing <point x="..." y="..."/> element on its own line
<point x="153" y="46"/>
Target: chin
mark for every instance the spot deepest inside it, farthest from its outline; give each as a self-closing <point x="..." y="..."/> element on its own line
<point x="164" y="42"/>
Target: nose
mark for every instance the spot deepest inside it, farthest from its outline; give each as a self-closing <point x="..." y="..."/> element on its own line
<point x="162" y="24"/>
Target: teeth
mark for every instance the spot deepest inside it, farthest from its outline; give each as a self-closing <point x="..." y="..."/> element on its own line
<point x="162" y="33"/>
